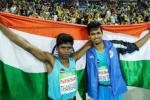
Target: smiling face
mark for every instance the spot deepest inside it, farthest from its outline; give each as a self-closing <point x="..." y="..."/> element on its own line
<point x="64" y="50"/>
<point x="96" y="35"/>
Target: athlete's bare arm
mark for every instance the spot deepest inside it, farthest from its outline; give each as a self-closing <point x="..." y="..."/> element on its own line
<point x="78" y="54"/>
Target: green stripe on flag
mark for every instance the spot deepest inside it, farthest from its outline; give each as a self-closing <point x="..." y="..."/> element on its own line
<point x="18" y="85"/>
<point x="136" y="73"/>
<point x="82" y="84"/>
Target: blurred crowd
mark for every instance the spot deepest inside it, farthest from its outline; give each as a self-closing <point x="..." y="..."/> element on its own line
<point x="81" y="11"/>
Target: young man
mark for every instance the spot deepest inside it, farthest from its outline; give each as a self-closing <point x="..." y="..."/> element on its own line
<point x="62" y="79"/>
<point x="105" y="81"/>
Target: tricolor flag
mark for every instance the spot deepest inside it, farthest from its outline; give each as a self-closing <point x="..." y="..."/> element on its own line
<point x="23" y="77"/>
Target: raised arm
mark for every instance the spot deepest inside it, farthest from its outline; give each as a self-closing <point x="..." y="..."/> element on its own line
<point x="127" y="47"/>
<point x="39" y="54"/>
<point x="140" y="42"/>
<point x="78" y="54"/>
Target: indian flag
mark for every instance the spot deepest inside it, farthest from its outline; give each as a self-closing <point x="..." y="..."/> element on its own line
<point x="23" y="77"/>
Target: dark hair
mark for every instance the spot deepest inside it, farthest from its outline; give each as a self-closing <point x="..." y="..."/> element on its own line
<point x="94" y="24"/>
<point x="64" y="38"/>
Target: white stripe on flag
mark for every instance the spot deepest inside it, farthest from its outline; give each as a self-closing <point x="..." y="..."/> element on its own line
<point x="15" y="56"/>
<point x="142" y="54"/>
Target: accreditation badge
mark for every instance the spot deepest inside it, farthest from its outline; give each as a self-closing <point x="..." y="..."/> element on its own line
<point x="103" y="74"/>
<point x="68" y="82"/>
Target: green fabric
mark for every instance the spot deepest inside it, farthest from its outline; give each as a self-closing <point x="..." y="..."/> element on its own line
<point x="82" y="86"/>
<point x="18" y="85"/>
<point x="136" y="73"/>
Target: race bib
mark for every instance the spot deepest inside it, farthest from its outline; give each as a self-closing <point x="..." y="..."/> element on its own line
<point x="68" y="82"/>
<point x="103" y="74"/>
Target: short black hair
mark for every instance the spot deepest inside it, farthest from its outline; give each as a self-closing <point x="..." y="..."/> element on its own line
<point x="64" y="38"/>
<point x="93" y="24"/>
